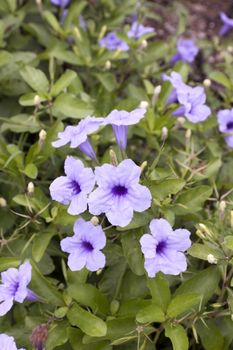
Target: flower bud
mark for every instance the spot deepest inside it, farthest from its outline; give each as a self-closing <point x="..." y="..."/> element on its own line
<point x="42" y="136"/>
<point x="36" y="100"/>
<point x="144" y="44"/>
<point x="188" y="134"/>
<point x="222" y="207"/>
<point x="181" y="120"/>
<point x="206" y="231"/>
<point x="164" y="133"/>
<point x="211" y="259"/>
<point x="113" y="157"/>
<point x="114" y="306"/>
<point x="143" y="165"/>
<point x="143" y="104"/>
<point x="157" y="90"/>
<point x="200" y="234"/>
<point x="95" y="220"/>
<point x="3" y="202"/>
<point x="39" y="336"/>
<point x="230" y="49"/>
<point x="30" y="188"/>
<point x="207" y="83"/>
<point x="108" y="65"/>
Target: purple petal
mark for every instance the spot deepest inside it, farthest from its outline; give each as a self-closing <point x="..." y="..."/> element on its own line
<point x="160" y="229"/>
<point x="78" y="204"/>
<point x="72" y="166"/>
<point x="179" y="240"/>
<point x="148" y="246"/>
<point x="121" y="133"/>
<point x="61" y="190"/>
<point x="139" y="197"/>
<point x="198" y="114"/>
<point x="76" y="261"/>
<point x="5" y="306"/>
<point x="95" y="261"/>
<point x="87" y="149"/>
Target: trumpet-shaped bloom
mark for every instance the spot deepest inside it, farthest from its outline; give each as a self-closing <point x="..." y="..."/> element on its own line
<point x="84" y="246"/>
<point x="163" y="248"/>
<point x="177" y="82"/>
<point x="119" y="192"/>
<point x="14" y="287"/>
<point x="73" y="188"/>
<point x="186" y="51"/>
<point x="62" y="3"/>
<point x="137" y="30"/>
<point x="8" y="343"/>
<point x="112" y="42"/>
<point x="225" y="124"/>
<point x="227" y="24"/>
<point x="77" y="135"/>
<point x="120" y="120"/>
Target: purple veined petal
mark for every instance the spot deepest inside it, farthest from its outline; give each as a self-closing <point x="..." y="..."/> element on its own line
<point x="61" y="3"/>
<point x="61" y="190"/>
<point x="95" y="261"/>
<point x="151" y="267"/>
<point x="128" y="177"/>
<point x="5" y="306"/>
<point x="79" y="226"/>
<point x="229" y="140"/>
<point x="87" y="149"/>
<point x="148" y="246"/>
<point x="5" y="293"/>
<point x="25" y="272"/>
<point x="104" y="174"/>
<point x="139" y="197"/>
<point x="160" y="229"/>
<point x="224" y="117"/>
<point x="96" y="236"/>
<point x="175" y="58"/>
<point x="78" y="204"/>
<point x="179" y="111"/>
<point x="10" y="276"/>
<point x="198" y="114"/>
<point x="72" y="166"/>
<point x="120" y="213"/>
<point x="172" y="263"/>
<point x="198" y="96"/>
<point x="7" y="342"/>
<point x="121" y="133"/>
<point x="76" y="262"/>
<point x="179" y="240"/>
<point x="225" y="19"/>
<point x="21" y="294"/>
<point x="172" y="97"/>
<point x="99" y="201"/>
<point x="86" y="179"/>
<point x="70" y="244"/>
<point x="31" y="295"/>
<point x="224" y="29"/>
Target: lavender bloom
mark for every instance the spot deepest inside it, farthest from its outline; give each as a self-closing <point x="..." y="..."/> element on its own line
<point x="137" y="30"/>
<point x="7" y="343"/>
<point x="225" y="124"/>
<point x="227" y="24"/>
<point x="14" y="287"/>
<point x="84" y="247"/>
<point x="112" y="42"/>
<point x="192" y="102"/>
<point x="177" y="82"/>
<point x="73" y="188"/>
<point x="119" y="193"/>
<point x="78" y="135"/>
<point x="62" y="3"/>
<point x="186" y="51"/>
<point x="163" y="248"/>
<point x="120" y="121"/>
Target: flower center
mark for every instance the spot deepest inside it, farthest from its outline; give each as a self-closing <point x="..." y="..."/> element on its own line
<point x="119" y="190"/>
<point x="87" y="246"/>
<point x="161" y="246"/>
<point x="75" y="187"/>
<point x="13" y="288"/>
<point x="230" y="125"/>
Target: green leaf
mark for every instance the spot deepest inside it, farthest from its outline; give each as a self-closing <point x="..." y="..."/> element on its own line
<point x="221" y="78"/>
<point x="120" y="327"/>
<point x="58" y="335"/>
<point x="162" y="189"/>
<point x="210" y="335"/>
<point x="132" y="253"/>
<point x="182" y="303"/>
<point x="204" y="283"/>
<point x="31" y="171"/>
<point x="228" y="242"/>
<point x="29" y="99"/>
<point x="178" y="336"/>
<point x="7" y="262"/>
<point x="160" y="292"/>
<point x="88" y="295"/>
<point x="71" y="106"/>
<point x="107" y="80"/>
<point x="21" y="123"/>
<point x="201" y="251"/>
<point x="87" y="322"/>
<point x="40" y="244"/>
<point x="63" y="82"/>
<point x="35" y="78"/>
<point x="150" y="313"/>
<point x="51" y="19"/>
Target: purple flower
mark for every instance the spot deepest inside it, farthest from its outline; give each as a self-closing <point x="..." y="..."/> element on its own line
<point x="227" y="24"/>
<point x="177" y="82"/>
<point x="225" y="124"/>
<point x="120" y="121"/>
<point x="137" y="30"/>
<point x="112" y="42"/>
<point x="62" y="3"/>
<point x="14" y="287"/>
<point x="7" y="343"/>
<point x="73" y="188"/>
<point x="119" y="192"/>
<point x="186" y="51"/>
<point x="84" y="247"/>
<point x="78" y="135"/>
<point x="192" y="102"/>
<point x="163" y="248"/>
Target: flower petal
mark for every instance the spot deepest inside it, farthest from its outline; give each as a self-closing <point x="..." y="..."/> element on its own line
<point x="78" y="204"/>
<point x="95" y="261"/>
<point x="5" y="306"/>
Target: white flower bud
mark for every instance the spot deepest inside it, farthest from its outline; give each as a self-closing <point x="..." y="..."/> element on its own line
<point x="30" y="188"/>
<point x="188" y="134"/>
<point x="206" y="231"/>
<point x="42" y="135"/>
<point x="95" y="220"/>
<point x="222" y="207"/>
<point x="144" y="44"/>
<point x="211" y="259"/>
<point x="164" y="133"/>
<point x="108" y="65"/>
<point x="38" y="2"/>
<point x="207" y="83"/>
<point x="143" y="104"/>
<point x="157" y="90"/>
<point x="37" y="100"/>
<point x="143" y="165"/>
<point x="181" y="120"/>
<point x="3" y="202"/>
<point x="230" y="49"/>
<point x="113" y="157"/>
